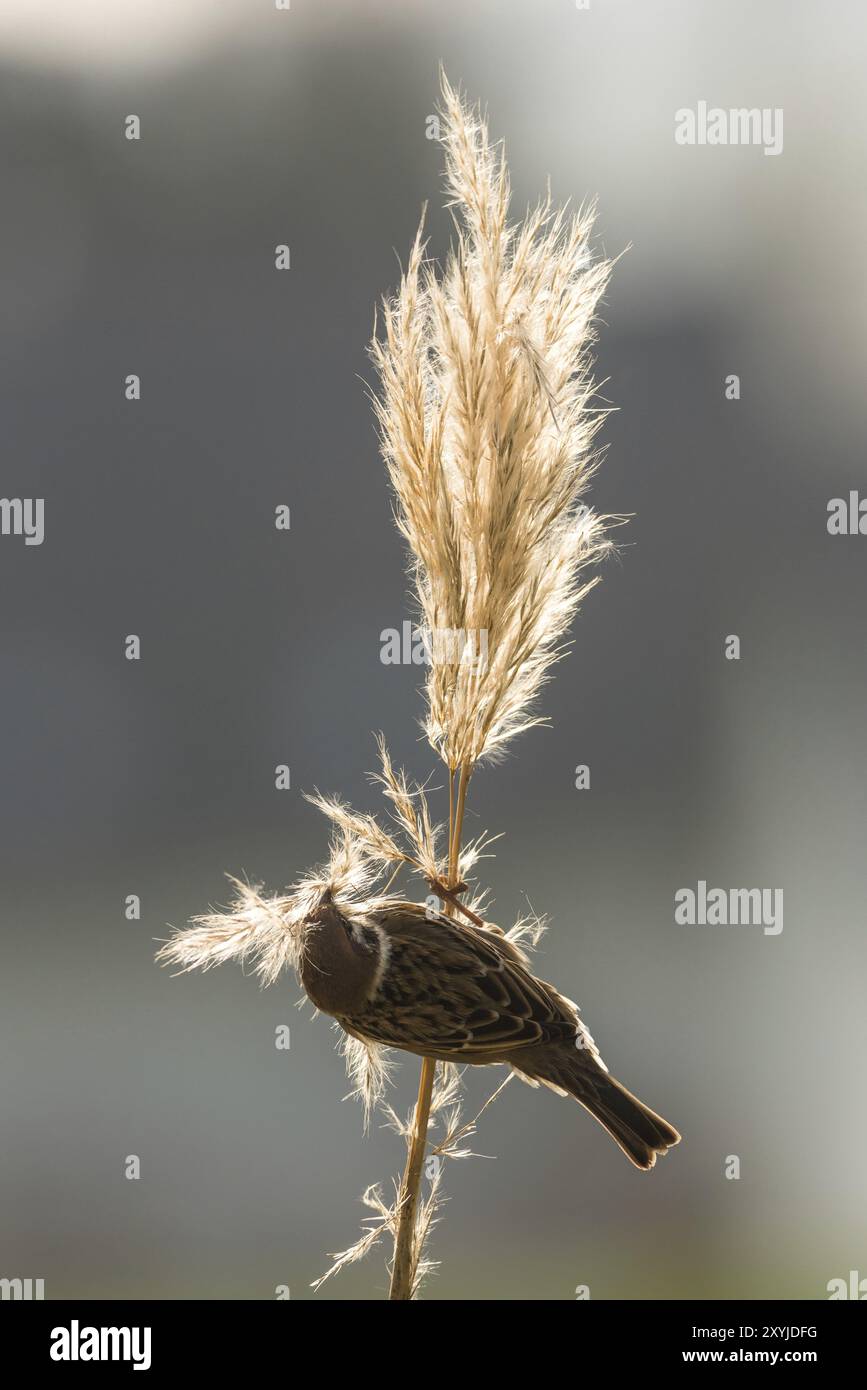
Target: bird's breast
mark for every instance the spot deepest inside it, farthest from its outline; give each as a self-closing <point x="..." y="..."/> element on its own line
<point x="339" y="965"/>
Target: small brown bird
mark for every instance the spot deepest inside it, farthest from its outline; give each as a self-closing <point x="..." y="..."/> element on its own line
<point x="404" y="977"/>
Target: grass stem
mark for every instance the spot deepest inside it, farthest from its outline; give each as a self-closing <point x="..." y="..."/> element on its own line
<point x="403" y="1267"/>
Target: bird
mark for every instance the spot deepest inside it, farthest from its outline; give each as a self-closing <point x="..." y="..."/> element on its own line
<point x="403" y="975"/>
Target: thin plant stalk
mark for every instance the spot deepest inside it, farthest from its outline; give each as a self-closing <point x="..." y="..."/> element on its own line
<point x="404" y="1264"/>
<point x="402" y="1270"/>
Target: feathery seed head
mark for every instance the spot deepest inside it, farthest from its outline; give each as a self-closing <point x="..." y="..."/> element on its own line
<point x="487" y="425"/>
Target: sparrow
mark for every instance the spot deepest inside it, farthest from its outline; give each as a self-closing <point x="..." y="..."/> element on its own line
<point x="407" y="977"/>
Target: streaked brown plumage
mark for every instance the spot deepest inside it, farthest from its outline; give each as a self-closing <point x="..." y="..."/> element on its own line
<point x="440" y="988"/>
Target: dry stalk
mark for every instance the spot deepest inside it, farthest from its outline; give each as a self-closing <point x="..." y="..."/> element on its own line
<point x="403" y="1274"/>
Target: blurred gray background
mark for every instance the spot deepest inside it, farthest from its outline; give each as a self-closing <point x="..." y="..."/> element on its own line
<point x="260" y="647"/>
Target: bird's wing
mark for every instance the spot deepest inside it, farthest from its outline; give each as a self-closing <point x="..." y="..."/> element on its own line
<point x="453" y="988"/>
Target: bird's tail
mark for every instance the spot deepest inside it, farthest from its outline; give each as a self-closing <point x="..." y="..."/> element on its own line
<point x="640" y="1132"/>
